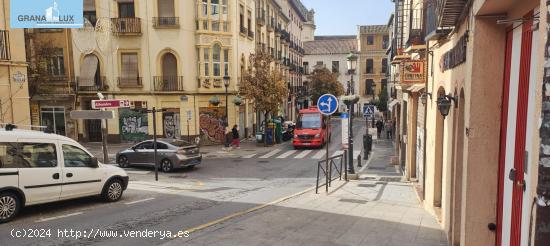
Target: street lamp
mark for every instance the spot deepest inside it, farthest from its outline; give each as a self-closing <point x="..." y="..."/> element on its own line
<point x="226" y="80"/>
<point x="352" y="65"/>
<point x="444" y="104"/>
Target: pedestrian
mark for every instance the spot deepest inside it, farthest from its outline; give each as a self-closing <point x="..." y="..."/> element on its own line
<point x="379" y="126"/>
<point x="236" y="139"/>
<point x="389" y="127"/>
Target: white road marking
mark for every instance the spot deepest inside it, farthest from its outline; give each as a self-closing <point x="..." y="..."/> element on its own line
<point x="59" y="217"/>
<point x="319" y="154"/>
<point x="248" y="156"/>
<point x="303" y="154"/>
<point x="286" y="154"/>
<point x="138" y="201"/>
<point x="338" y="152"/>
<point x="270" y="154"/>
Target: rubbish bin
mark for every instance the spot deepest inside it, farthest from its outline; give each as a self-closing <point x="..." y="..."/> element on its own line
<point x="369" y="143"/>
<point x="278" y="131"/>
<point x="270" y="134"/>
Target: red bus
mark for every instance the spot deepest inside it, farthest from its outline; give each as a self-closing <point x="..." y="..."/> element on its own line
<point x="310" y="129"/>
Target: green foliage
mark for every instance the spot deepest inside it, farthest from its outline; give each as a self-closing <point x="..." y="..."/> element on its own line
<point x="382" y="101"/>
<point x="323" y="81"/>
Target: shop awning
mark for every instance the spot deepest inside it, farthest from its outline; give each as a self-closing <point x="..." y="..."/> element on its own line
<point x="88" y="70"/>
<point x="415" y="48"/>
<point x="415" y="87"/>
<point x="392" y="104"/>
<point x="397" y="59"/>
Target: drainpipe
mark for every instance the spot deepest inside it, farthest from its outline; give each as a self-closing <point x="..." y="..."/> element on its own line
<point x="425" y="121"/>
<point x="9" y="68"/>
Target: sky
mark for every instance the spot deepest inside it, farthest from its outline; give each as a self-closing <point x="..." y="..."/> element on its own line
<point x="341" y="17"/>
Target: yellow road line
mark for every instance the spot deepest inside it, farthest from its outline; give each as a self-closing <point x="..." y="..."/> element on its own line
<point x="250" y="210"/>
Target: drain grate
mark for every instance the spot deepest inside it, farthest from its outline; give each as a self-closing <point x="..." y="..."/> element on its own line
<point x="353" y="201"/>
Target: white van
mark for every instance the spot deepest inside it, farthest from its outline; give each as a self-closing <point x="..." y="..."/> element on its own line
<point x="37" y="167"/>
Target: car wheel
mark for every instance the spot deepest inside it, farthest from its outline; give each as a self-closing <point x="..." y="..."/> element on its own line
<point x="123" y="162"/>
<point x="166" y="166"/>
<point x="9" y="206"/>
<point x="113" y="191"/>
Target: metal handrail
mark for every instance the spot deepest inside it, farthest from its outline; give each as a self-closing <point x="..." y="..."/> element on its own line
<point x="327" y="170"/>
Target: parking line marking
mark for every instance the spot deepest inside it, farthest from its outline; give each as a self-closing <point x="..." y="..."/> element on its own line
<point x="270" y="154"/>
<point x="286" y="154"/>
<point x="138" y="201"/>
<point x="248" y="156"/>
<point x="59" y="217"/>
<point x="319" y="154"/>
<point x="338" y="152"/>
<point x="303" y="154"/>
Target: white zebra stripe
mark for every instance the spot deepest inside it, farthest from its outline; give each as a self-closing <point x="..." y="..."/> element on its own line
<point x="303" y="154"/>
<point x="319" y="154"/>
<point x="248" y="156"/>
<point x="270" y="154"/>
<point x="286" y="154"/>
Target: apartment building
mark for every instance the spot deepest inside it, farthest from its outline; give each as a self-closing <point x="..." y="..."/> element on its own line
<point x="373" y="40"/>
<point x="176" y="55"/>
<point x="14" y="91"/>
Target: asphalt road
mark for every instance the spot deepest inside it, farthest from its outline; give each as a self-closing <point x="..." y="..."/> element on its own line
<point x="151" y="213"/>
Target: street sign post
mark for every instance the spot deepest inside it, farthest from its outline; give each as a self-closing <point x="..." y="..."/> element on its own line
<point x="327" y="104"/>
<point x="110" y="103"/>
<point x="345" y="128"/>
<point x="189" y="117"/>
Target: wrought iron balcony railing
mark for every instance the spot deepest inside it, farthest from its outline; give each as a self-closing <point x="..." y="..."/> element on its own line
<point x="126" y="25"/>
<point x="168" y="83"/>
<point x="166" y="22"/>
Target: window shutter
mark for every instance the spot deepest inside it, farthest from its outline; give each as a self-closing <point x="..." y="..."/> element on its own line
<point x="129" y="67"/>
<point x="166" y="8"/>
<point x="88" y="69"/>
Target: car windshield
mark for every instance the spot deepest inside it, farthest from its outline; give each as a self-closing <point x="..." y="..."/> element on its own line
<point x="310" y="121"/>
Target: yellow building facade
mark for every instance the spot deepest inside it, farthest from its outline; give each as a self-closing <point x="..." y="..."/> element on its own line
<point x="373" y="64"/>
<point x="14" y="88"/>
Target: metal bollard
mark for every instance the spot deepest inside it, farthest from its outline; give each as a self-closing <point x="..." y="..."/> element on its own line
<point x="359" y="161"/>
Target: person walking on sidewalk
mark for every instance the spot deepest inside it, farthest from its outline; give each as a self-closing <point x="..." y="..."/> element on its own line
<point x="236" y="139"/>
<point x="389" y="127"/>
<point x="379" y="126"/>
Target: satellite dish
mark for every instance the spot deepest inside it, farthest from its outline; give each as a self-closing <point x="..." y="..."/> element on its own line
<point x="104" y="35"/>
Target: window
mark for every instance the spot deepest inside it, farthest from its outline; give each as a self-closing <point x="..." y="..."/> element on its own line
<point x="335" y="66"/>
<point x="385" y="41"/>
<point x="56" y="63"/>
<point x="226" y="62"/>
<point x="215" y="7"/>
<point x="144" y="145"/>
<point x="306" y="67"/>
<point x="384" y="65"/>
<point x="206" y="61"/>
<point x="160" y="145"/>
<point x="204" y="8"/>
<point x="36" y="155"/>
<point x="319" y="63"/>
<point x="8" y="156"/>
<point x="129" y="68"/>
<point x="126" y="10"/>
<point x="53" y="118"/>
<point x="370" y="40"/>
<point x="90" y="12"/>
<point x="241" y="17"/>
<point x="369" y="66"/>
<point x="216" y="58"/>
<point x="75" y="157"/>
<point x="384" y="83"/>
<point x="369" y="83"/>
<point x="249" y="22"/>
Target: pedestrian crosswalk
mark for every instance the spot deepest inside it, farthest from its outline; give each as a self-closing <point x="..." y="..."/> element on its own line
<point x="296" y="154"/>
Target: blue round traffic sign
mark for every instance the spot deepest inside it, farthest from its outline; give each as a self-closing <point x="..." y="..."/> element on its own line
<point x="327" y="104"/>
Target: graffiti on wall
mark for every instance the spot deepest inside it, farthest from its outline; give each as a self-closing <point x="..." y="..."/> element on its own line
<point x="133" y="125"/>
<point x="171" y="123"/>
<point x="211" y="124"/>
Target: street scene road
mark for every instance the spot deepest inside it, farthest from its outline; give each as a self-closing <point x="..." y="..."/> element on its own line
<point x="223" y="185"/>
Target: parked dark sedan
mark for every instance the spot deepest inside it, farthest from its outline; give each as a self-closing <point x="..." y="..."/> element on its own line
<point x="170" y="155"/>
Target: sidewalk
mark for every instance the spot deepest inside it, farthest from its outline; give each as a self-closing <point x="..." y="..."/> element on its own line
<point x="377" y="209"/>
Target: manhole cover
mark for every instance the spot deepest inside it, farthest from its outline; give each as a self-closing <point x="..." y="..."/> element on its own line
<point x="353" y="201"/>
<point x="263" y="161"/>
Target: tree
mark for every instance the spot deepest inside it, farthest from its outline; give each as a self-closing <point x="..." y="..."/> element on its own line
<point x="323" y="82"/>
<point x="263" y="85"/>
<point x="382" y="102"/>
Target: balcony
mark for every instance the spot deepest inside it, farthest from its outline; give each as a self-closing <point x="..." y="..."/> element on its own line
<point x="244" y="30"/>
<point x="260" y="19"/>
<point x="250" y="33"/>
<point x="129" y="82"/>
<point x="52" y="88"/>
<point x="126" y="26"/>
<point x="271" y="25"/>
<point x="99" y="84"/>
<point x="168" y="83"/>
<point x="416" y="31"/>
<point x="4" y="45"/>
<point x="166" y="22"/>
<point x="449" y="12"/>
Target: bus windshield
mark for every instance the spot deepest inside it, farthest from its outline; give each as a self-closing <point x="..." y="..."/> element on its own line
<point x="309" y="121"/>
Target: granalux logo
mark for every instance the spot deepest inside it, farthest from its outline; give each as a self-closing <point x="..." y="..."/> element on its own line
<point x="46" y="14"/>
